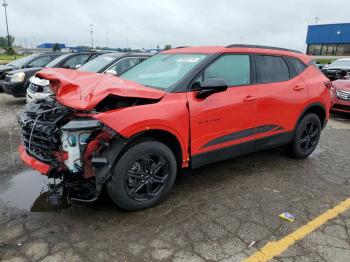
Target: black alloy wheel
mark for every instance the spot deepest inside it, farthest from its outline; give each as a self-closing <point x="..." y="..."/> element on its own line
<point x="147" y="177"/>
<point x="143" y="175"/>
<point x="306" y="136"/>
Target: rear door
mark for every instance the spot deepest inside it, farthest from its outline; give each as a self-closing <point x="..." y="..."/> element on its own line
<point x="282" y="96"/>
<point x="225" y="119"/>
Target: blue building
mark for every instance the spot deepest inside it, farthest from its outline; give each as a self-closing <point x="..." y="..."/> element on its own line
<point x="50" y="45"/>
<point x="328" y="40"/>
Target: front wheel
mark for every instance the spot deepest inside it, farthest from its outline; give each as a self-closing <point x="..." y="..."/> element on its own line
<point x="143" y="175"/>
<point x="306" y="137"/>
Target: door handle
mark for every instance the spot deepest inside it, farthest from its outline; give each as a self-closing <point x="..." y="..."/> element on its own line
<point x="298" y="88"/>
<point x="249" y="98"/>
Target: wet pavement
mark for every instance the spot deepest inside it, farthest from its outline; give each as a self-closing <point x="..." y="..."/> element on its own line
<point x="222" y="212"/>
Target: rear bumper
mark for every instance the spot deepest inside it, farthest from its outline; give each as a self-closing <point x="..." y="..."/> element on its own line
<point x="15" y="89"/>
<point x="43" y="168"/>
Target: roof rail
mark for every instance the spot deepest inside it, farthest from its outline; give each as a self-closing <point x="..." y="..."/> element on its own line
<point x="178" y="47"/>
<point x="263" y="47"/>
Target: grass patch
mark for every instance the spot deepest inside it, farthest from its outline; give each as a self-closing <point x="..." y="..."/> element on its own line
<point x="4" y="58"/>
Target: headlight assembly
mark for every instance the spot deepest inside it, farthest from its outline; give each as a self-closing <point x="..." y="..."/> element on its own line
<point x="18" y="77"/>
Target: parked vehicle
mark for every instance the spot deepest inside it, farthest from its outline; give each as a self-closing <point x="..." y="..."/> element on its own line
<point x="338" y="69"/>
<point x="341" y="97"/>
<point x="34" y="60"/>
<point x="111" y="63"/>
<point x="17" y="86"/>
<point x="181" y="108"/>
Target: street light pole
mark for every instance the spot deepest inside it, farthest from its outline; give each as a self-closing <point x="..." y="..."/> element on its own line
<point x="7" y="26"/>
<point x="92" y="41"/>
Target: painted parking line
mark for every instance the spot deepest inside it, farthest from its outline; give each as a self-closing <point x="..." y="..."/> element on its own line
<point x="273" y="249"/>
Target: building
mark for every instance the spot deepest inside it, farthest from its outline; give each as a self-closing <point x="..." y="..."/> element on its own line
<point x="50" y="45"/>
<point x="328" y="40"/>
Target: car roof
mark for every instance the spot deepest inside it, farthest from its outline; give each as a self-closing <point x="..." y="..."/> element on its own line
<point x="237" y="48"/>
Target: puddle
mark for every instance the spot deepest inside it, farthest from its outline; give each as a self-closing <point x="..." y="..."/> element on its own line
<point x="27" y="191"/>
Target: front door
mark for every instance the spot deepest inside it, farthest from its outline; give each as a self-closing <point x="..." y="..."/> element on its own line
<point x="225" y="121"/>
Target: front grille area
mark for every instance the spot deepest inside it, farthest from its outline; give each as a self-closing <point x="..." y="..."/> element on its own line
<point x="40" y="125"/>
<point x="35" y="88"/>
<point x="344" y="95"/>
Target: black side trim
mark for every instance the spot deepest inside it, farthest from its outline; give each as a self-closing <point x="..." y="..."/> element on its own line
<point x="242" y="134"/>
<point x="241" y="149"/>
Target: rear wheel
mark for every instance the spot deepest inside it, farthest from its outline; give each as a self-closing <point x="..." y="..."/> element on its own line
<point x="143" y="176"/>
<point x="306" y="137"/>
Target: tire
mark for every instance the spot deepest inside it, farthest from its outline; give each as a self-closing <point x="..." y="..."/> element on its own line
<point x="143" y="175"/>
<point x="306" y="136"/>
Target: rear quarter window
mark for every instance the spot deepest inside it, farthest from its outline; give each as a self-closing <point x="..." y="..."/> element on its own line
<point x="297" y="65"/>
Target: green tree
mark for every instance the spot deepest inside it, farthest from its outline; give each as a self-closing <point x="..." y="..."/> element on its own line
<point x="56" y="47"/>
<point x="167" y="47"/>
<point x="4" y="41"/>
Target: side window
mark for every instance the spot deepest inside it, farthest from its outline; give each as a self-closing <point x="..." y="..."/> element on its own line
<point x="271" y="69"/>
<point x="75" y="60"/>
<point x="235" y="69"/>
<point x="297" y="65"/>
<point x="41" y="61"/>
<point x="124" y="64"/>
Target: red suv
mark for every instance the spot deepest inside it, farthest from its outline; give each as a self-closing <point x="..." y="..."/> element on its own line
<point x="185" y="107"/>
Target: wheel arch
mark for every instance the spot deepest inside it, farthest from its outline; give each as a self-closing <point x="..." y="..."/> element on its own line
<point x="164" y="137"/>
<point x="317" y="108"/>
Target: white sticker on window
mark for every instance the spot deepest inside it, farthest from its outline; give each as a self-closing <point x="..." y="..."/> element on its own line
<point x="108" y="58"/>
<point x="187" y="60"/>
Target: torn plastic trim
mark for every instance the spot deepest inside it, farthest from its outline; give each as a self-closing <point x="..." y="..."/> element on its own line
<point x="82" y="125"/>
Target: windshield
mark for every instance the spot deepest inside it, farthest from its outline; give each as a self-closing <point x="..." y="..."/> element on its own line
<point x="340" y="63"/>
<point x="163" y="70"/>
<point x="22" y="61"/>
<point x="57" y="60"/>
<point x="98" y="63"/>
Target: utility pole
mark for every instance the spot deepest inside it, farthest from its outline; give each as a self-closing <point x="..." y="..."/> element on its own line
<point x="107" y="38"/>
<point x="92" y="41"/>
<point x="7" y="26"/>
<point x="316" y="20"/>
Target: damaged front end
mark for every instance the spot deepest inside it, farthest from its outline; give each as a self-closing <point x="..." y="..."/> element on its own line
<point x="65" y="144"/>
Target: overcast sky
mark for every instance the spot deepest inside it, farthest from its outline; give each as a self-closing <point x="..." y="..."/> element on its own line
<point x="146" y="23"/>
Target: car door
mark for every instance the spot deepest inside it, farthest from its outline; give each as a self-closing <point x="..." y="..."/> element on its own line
<point x="221" y="121"/>
<point x="282" y="97"/>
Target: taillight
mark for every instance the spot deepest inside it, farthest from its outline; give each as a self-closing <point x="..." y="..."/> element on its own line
<point x="329" y="85"/>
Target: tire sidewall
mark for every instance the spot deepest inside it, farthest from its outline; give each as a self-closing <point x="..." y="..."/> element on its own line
<point x="116" y="186"/>
<point x="298" y="132"/>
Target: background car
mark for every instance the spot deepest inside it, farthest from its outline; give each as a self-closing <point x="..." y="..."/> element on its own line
<point x="112" y="63"/>
<point x="337" y="69"/>
<point x="34" y="60"/>
<point x="17" y="81"/>
<point x="341" y="97"/>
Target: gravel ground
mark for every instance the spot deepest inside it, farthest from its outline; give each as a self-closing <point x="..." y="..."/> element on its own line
<point x="221" y="212"/>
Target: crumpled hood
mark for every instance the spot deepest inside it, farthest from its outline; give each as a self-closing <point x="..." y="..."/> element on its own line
<point x="342" y="85"/>
<point x="84" y="90"/>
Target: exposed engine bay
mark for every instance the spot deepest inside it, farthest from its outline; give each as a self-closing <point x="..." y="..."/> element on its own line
<point x="61" y="138"/>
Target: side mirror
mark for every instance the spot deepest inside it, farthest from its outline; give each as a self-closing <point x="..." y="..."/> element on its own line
<point x="211" y="86"/>
<point x="320" y="67"/>
<point x="111" y="72"/>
